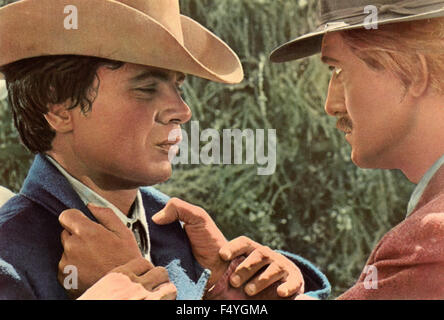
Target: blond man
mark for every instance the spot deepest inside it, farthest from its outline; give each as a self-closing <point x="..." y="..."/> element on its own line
<point x="387" y="92"/>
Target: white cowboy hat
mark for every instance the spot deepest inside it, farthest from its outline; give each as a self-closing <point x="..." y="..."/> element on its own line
<point x="147" y="32"/>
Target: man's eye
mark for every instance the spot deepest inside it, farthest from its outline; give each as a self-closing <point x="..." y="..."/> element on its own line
<point x="147" y="89"/>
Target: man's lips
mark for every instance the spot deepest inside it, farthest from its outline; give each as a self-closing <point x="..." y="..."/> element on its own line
<point x="166" y="145"/>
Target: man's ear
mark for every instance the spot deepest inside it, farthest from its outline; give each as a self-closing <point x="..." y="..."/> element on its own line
<point x="421" y="82"/>
<point x="59" y="118"/>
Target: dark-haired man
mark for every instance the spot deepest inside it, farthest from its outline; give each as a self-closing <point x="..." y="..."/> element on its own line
<point x="98" y="111"/>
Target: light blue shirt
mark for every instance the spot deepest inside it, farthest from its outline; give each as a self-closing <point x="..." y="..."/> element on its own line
<point x="422" y="185"/>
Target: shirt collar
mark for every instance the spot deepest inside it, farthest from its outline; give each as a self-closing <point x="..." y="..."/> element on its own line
<point x="422" y="185"/>
<point x="89" y="196"/>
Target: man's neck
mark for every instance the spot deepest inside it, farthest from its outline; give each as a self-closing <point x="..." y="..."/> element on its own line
<point x="421" y="160"/>
<point x="425" y="146"/>
<point x="123" y="199"/>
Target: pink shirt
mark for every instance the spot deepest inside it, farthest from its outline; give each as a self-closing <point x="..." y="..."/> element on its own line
<point x="409" y="260"/>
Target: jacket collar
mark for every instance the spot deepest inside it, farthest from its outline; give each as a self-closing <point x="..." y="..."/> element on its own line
<point x="46" y="186"/>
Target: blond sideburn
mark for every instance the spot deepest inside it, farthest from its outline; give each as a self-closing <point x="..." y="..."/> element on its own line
<point x="396" y="48"/>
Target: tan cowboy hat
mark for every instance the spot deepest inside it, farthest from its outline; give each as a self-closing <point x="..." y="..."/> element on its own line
<point x="147" y="32"/>
<point x="338" y="15"/>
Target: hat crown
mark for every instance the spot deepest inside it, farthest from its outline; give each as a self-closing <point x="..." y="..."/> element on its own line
<point x="165" y="12"/>
<point x="328" y="6"/>
<point x="355" y="11"/>
<point x="341" y="15"/>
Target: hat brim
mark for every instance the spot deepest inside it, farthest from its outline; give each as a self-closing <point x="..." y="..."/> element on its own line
<point x="113" y="30"/>
<point x="311" y="43"/>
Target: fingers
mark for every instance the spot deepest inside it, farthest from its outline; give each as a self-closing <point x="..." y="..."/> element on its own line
<point x="136" y="280"/>
<point x="237" y="247"/>
<point x="74" y="221"/>
<point x="61" y="269"/>
<point x="64" y="237"/>
<point x="294" y="284"/>
<point x="250" y="266"/>
<point x="136" y="267"/>
<point x="279" y="269"/>
<point x="271" y="275"/>
<point x="166" y="291"/>
<point x="107" y="218"/>
<point x="177" y="209"/>
<point x="154" y="278"/>
<point x="115" y="286"/>
<point x="275" y="266"/>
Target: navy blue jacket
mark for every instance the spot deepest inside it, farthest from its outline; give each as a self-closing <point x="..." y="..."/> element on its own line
<point x="30" y="247"/>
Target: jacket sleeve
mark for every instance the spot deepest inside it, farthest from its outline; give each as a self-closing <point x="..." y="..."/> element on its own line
<point x="316" y="283"/>
<point x="13" y="285"/>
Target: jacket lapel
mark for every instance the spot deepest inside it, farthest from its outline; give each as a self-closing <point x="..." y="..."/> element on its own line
<point x="168" y="242"/>
<point x="46" y="186"/>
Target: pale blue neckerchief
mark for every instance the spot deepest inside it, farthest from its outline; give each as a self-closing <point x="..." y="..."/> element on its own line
<point x="89" y="196"/>
<point x="422" y="185"/>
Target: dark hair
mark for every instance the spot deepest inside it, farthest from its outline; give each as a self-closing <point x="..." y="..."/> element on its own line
<point x="36" y="83"/>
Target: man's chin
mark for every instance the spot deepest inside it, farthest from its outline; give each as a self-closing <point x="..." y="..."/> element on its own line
<point x="158" y="176"/>
<point x="368" y="161"/>
<point x="149" y="177"/>
<point x="360" y="160"/>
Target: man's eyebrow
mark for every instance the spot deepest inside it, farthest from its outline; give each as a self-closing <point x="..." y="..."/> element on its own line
<point x="329" y="60"/>
<point x="158" y="74"/>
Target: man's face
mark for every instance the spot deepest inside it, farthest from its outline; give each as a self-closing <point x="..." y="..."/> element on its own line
<point x="373" y="109"/>
<point x="122" y="142"/>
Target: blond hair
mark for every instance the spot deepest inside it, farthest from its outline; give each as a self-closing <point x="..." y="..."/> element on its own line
<point x="395" y="47"/>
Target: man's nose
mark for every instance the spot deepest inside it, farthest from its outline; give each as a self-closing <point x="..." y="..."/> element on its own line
<point x="335" y="102"/>
<point x="176" y="110"/>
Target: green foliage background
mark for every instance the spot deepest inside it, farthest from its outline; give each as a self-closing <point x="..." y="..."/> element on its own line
<point x="317" y="204"/>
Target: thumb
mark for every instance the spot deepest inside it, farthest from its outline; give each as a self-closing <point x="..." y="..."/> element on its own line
<point x="177" y="209"/>
<point x="73" y="220"/>
<point x="107" y="218"/>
